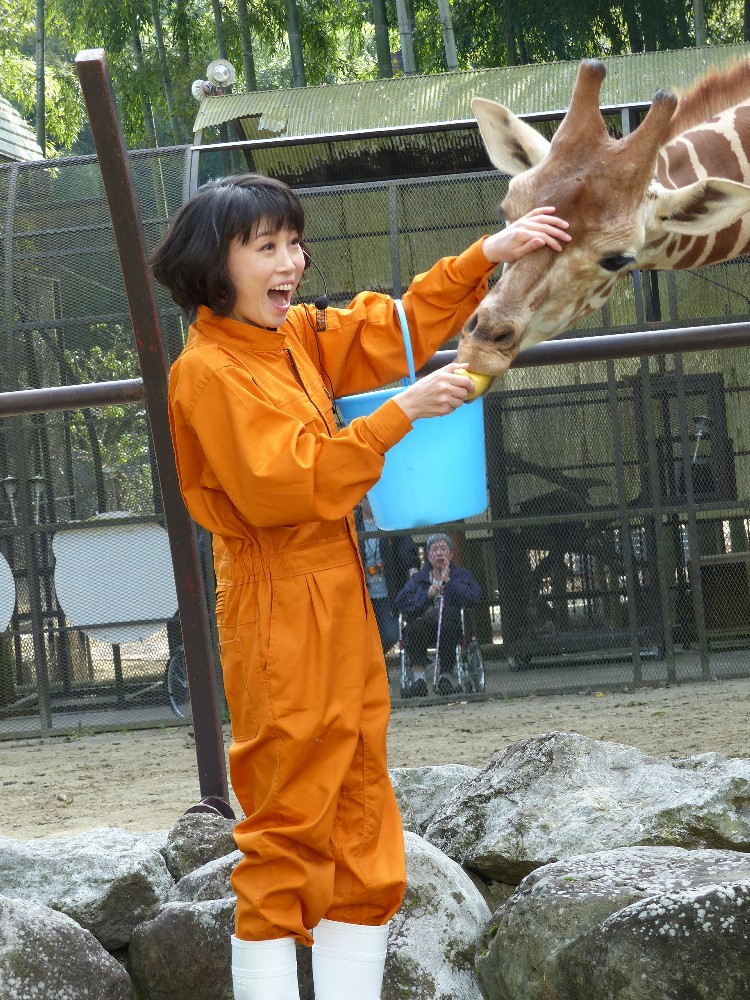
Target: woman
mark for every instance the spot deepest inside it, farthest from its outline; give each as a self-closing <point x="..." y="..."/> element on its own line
<point x="264" y="468"/>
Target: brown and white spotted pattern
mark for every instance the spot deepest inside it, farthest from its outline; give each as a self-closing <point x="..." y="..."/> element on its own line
<point x="673" y="194"/>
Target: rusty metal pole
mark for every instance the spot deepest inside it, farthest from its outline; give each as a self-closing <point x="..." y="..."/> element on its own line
<point x="126" y="222"/>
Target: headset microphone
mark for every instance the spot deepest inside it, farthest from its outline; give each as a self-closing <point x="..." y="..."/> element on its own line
<point x="322" y="302"/>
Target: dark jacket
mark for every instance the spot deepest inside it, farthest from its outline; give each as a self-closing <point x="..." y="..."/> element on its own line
<point x="463" y="590"/>
<point x="399" y="554"/>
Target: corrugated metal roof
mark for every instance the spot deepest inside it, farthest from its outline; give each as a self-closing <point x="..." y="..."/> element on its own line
<point x="447" y="96"/>
<point x="17" y="140"/>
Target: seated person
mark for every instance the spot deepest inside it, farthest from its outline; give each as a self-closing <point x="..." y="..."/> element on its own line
<point x="436" y="593"/>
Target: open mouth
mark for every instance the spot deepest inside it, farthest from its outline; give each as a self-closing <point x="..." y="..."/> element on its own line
<point x="281" y="295"/>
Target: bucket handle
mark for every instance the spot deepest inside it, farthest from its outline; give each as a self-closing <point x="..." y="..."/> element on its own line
<point x="407" y="343"/>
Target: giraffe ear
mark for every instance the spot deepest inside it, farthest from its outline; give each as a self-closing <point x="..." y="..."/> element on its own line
<point x="700" y="209"/>
<point x="511" y="144"/>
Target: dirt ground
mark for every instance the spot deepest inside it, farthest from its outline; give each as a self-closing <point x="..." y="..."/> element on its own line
<point x="143" y="780"/>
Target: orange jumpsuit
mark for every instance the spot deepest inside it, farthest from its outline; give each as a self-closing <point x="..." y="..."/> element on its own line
<point x="263" y="467"/>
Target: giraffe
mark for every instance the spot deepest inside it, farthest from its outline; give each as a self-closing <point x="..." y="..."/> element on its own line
<point x="675" y="193"/>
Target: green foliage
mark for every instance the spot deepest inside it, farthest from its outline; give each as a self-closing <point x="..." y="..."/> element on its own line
<point x="64" y="108"/>
<point x="337" y="42"/>
<point x="724" y="21"/>
<point x="121" y="430"/>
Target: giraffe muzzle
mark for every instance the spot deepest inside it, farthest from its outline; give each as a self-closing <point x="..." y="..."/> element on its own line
<point x="489" y="331"/>
<point x="488" y="345"/>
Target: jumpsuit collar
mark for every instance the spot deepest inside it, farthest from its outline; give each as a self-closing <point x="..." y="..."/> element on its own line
<point x="234" y="333"/>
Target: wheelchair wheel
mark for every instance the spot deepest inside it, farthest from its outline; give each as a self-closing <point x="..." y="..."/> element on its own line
<point x="405" y="673"/>
<point x="461" y="677"/>
<point x="474" y="668"/>
<point x="177" y="684"/>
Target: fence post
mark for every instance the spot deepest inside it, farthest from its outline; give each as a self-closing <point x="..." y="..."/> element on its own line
<point x="128" y="231"/>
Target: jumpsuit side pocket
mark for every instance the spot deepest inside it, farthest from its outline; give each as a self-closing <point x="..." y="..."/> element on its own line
<point x="236" y="689"/>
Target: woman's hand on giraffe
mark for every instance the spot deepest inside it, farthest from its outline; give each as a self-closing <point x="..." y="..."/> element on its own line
<point x="539" y="227"/>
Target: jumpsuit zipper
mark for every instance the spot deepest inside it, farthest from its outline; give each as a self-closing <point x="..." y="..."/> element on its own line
<point x="295" y="371"/>
<point x="352" y="532"/>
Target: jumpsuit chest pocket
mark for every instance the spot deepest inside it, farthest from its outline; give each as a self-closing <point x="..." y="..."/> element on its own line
<point x="313" y="409"/>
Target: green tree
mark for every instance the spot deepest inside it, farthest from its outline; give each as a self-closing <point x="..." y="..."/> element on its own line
<point x="246" y="39"/>
<point x="156" y="48"/>
<point x="382" y="38"/>
<point x="64" y="111"/>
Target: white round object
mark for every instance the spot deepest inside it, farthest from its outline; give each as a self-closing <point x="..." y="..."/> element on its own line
<point x="198" y="89"/>
<point x="7" y="593"/>
<point x="221" y="72"/>
<point x="115" y="581"/>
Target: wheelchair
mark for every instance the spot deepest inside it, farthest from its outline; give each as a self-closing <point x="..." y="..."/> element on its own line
<point x="468" y="662"/>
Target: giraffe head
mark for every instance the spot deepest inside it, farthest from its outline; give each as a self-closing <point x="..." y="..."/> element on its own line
<point x="606" y="190"/>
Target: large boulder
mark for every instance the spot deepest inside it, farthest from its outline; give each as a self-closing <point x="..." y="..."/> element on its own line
<point x="434" y="936"/>
<point x="409" y="821"/>
<point x="197" y="838"/>
<point x="426" y="788"/>
<point x="184" y="953"/>
<point x="557" y="795"/>
<point x="46" y="954"/>
<point x="644" y="923"/>
<point x="108" y="881"/>
<point x="210" y="881"/>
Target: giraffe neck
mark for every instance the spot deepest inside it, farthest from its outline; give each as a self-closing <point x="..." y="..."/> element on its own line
<point x="718" y="148"/>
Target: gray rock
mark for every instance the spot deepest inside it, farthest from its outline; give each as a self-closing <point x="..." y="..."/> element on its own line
<point x="644" y="923"/>
<point x="304" y="973"/>
<point x="45" y="954"/>
<point x="434" y="936"/>
<point x="426" y="788"/>
<point x="195" y="839"/>
<point x="558" y="795"/>
<point x="156" y="840"/>
<point x="408" y="819"/>
<point x="493" y="893"/>
<point x="211" y="881"/>
<point x="185" y="952"/>
<point x="108" y="881"/>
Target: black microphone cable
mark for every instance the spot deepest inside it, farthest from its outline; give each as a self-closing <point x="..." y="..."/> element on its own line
<point x="321" y="303"/>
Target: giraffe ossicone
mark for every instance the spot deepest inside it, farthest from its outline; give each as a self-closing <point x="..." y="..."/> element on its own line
<point x="673" y="194"/>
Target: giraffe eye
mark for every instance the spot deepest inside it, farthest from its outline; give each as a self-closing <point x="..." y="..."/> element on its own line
<point x="616" y="262"/>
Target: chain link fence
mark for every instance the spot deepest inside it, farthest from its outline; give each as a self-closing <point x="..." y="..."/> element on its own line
<point x="614" y="550"/>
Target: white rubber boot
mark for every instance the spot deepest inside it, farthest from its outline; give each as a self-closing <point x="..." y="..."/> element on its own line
<point x="348" y="960"/>
<point x="264" y="970"/>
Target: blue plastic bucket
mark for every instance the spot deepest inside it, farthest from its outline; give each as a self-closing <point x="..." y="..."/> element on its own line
<point x="438" y="472"/>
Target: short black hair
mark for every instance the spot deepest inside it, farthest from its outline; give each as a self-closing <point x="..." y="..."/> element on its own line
<point x="191" y="260"/>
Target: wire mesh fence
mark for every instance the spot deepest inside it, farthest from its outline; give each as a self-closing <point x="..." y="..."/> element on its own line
<point x="614" y="550"/>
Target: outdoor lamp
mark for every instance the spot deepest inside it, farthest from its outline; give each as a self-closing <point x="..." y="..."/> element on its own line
<point x="110" y="478"/>
<point x="220" y="73"/>
<point x="200" y="89"/>
<point x="36" y="484"/>
<point x="702" y="424"/>
<point x="10" y="485"/>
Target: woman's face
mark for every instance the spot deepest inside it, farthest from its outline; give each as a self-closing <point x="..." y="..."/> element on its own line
<point x="439" y="555"/>
<point x="265" y="271"/>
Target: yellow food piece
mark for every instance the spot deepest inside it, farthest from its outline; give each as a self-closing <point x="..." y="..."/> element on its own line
<point x="481" y="382"/>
